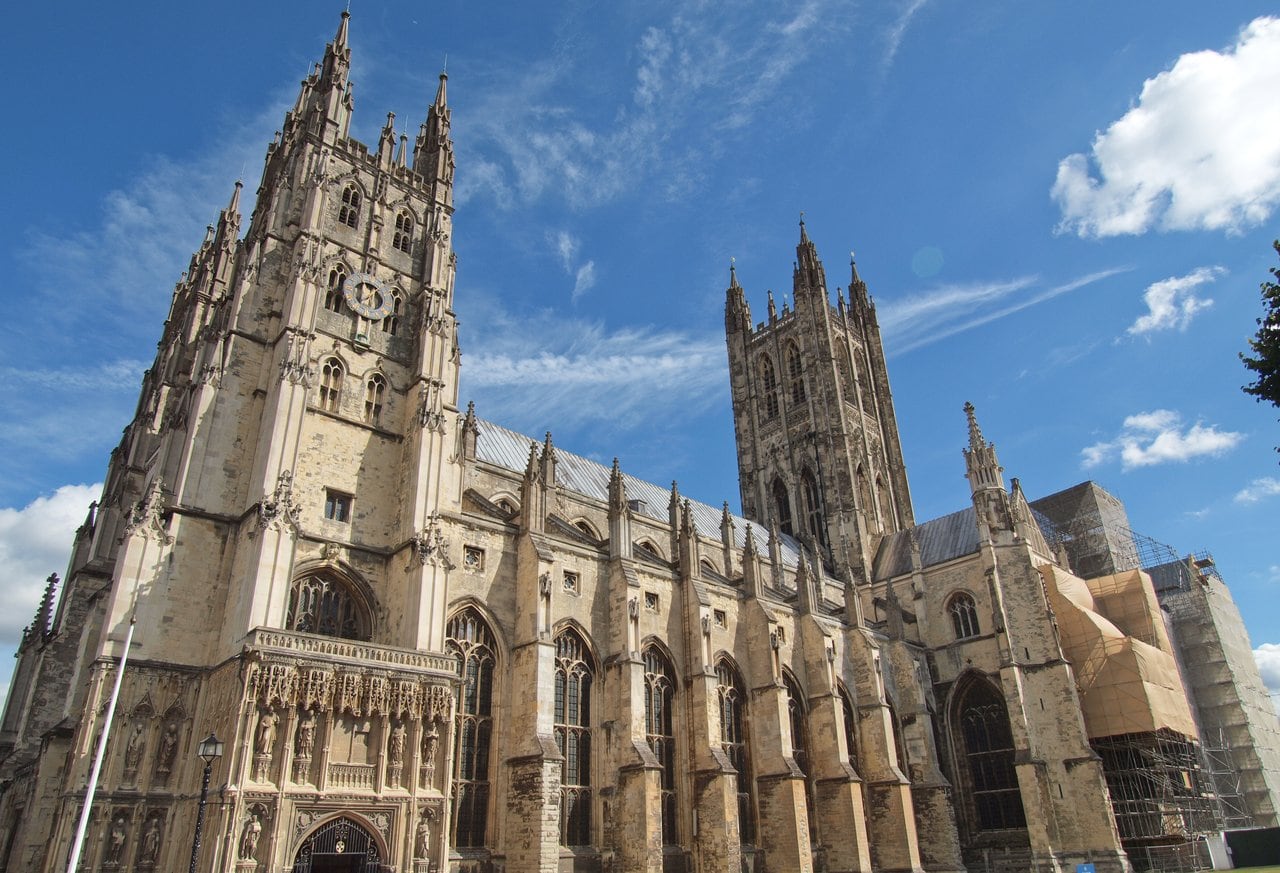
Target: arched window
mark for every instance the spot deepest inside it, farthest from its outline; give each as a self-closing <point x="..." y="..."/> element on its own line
<point x="769" y="381"/>
<point x="349" y="211"/>
<point x="659" y="698"/>
<point x="983" y="725"/>
<point x="797" y="712"/>
<point x="333" y="292"/>
<point x="403" y="237"/>
<point x="324" y="605"/>
<point x="733" y="740"/>
<point x="782" y="506"/>
<point x="964" y="616"/>
<point x="469" y="638"/>
<point x="795" y="370"/>
<point x="888" y="519"/>
<point x="574" y="674"/>
<point x="331" y="374"/>
<point x="849" y="723"/>
<point x="374" y="390"/>
<point x="391" y="323"/>
<point x="813" y="507"/>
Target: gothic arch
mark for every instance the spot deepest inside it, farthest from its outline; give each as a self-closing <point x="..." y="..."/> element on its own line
<point x="471" y="602"/>
<point x="649" y="545"/>
<point x="708" y="564"/>
<point x="983" y="753"/>
<point x="781" y="499"/>
<point x="360" y="821"/>
<point x="962" y="608"/>
<point x="404" y="204"/>
<point x="338" y="183"/>
<point x="512" y="500"/>
<point x="476" y="726"/>
<point x="585" y="526"/>
<point x="574" y="625"/>
<point x="661" y="645"/>
<point x="357" y="621"/>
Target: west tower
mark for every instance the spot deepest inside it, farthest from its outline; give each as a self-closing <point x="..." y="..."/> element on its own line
<point x="818" y="450"/>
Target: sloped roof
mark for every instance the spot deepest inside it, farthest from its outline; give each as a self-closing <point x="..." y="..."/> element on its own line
<point x="508" y="449"/>
<point x="941" y="539"/>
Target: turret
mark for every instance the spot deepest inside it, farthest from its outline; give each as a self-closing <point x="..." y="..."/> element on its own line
<point x="737" y="314"/>
<point x="810" y="279"/>
<point x="433" y="151"/>
<point x="326" y="101"/>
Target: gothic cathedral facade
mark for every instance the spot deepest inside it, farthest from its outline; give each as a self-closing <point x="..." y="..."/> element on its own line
<point x="432" y="644"/>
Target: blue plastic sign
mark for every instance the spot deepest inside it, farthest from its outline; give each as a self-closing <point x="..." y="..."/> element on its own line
<point x="1085" y="868"/>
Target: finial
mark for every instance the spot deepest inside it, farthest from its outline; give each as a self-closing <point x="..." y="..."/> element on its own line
<point x="234" y="205"/>
<point x="975" y="433"/>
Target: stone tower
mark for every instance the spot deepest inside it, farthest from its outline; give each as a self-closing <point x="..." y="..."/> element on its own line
<point x="818" y="449"/>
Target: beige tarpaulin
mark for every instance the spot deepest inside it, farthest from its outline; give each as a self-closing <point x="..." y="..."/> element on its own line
<point x="1114" y="636"/>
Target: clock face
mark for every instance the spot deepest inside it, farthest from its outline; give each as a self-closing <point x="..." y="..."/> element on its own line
<point x="367" y="295"/>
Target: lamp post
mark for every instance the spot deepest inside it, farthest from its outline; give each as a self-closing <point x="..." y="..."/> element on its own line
<point x="209" y="750"/>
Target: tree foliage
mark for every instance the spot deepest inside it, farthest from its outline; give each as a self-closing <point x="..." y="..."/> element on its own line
<point x="1265" y="344"/>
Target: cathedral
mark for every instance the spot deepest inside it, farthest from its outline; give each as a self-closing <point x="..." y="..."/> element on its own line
<point x="429" y="643"/>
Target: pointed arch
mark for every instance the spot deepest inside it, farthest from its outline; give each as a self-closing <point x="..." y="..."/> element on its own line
<point x="735" y="741"/>
<point x="659" y="704"/>
<point x="798" y="715"/>
<point x="350" y="205"/>
<point x="769" y="386"/>
<point x="391" y="323"/>
<point x="795" y="373"/>
<point x="375" y="389"/>
<point x="815" y="522"/>
<point x="964" y="615"/>
<point x="332" y="373"/>
<point x="849" y="724"/>
<point x="647" y="545"/>
<point x="358" y="835"/>
<point x="325" y="602"/>
<point x="575" y="674"/>
<point x="338" y="273"/>
<point x="888" y="518"/>
<point x="470" y="637"/>
<point x="984" y="754"/>
<point x="404" y="226"/>
<point x="782" y="506"/>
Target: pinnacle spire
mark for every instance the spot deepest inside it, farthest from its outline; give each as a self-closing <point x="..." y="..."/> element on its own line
<point x="340" y="38"/>
<point x="810" y="277"/>
<point x="982" y="467"/>
<point x="975" y="432"/>
<point x="433" y="151"/>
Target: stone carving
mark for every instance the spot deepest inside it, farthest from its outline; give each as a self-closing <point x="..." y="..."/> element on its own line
<point x="375" y="695"/>
<point x="347" y="697"/>
<point x="395" y="746"/>
<point x="167" y="752"/>
<point x="115" y="840"/>
<point x="249" y="837"/>
<point x="276" y="684"/>
<point x="422" y="837"/>
<point x="430" y="746"/>
<point x="150" y="851"/>
<point x="146" y="517"/>
<point x="404" y="699"/>
<point x="264" y="745"/>
<point x="317" y="688"/>
<point x="295" y="367"/>
<point x="305" y="743"/>
<point x="133" y="751"/>
<point x="429" y="545"/>
<point x="430" y="413"/>
<point x="279" y="509"/>
<point x="439" y="703"/>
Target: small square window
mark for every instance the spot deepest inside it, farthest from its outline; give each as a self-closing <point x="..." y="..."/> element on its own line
<point x="472" y="559"/>
<point x="651" y="601"/>
<point x="571" y="581"/>
<point x="337" y="506"/>
<point x="720" y="619"/>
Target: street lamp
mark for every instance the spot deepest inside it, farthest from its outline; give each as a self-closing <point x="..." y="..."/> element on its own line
<point x="209" y="750"/>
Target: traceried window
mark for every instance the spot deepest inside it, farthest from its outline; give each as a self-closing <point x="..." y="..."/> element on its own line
<point x="325" y="605"/>
<point x="574" y="675"/>
<point x="813" y="508"/>
<point x="734" y="741"/>
<point x="331" y="374"/>
<point x="333" y="291"/>
<point x="374" y="391"/>
<point x="964" y="616"/>
<point x="782" y="506"/>
<point x="469" y="638"/>
<point x="659" y="698"/>
<point x="795" y="371"/>
<point x="769" y="381"/>
<point x="349" y="211"/>
<point x="797" y="712"/>
<point x="391" y="323"/>
<point x="988" y="748"/>
<point x="403" y="237"/>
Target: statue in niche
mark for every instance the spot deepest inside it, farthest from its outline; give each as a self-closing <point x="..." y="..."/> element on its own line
<point x="133" y="750"/>
<point x="168" y="749"/>
<point x="422" y="837"/>
<point x="115" y="840"/>
<point x="266" y="733"/>
<point x="249" y="837"/>
<point x="396" y="745"/>
<point x="430" y="745"/>
<point x="306" y="741"/>
<point x="150" y="842"/>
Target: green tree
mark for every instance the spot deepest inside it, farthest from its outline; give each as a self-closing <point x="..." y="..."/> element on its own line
<point x="1265" y="345"/>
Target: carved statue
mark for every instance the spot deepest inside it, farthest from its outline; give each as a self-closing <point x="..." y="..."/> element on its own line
<point x="133" y="751"/>
<point x="430" y="744"/>
<point x="266" y="733"/>
<point x="422" y="838"/>
<point x="306" y="742"/>
<point x="396" y="745"/>
<point x="151" y="842"/>
<point x="168" y="749"/>
<point x="249" y="837"/>
<point x="115" y="841"/>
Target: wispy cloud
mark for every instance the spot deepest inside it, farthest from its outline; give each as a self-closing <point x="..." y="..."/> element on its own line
<point x="1199" y="151"/>
<point x="1158" y="437"/>
<point x="916" y="321"/>
<point x="897" y="30"/>
<point x="1258" y="489"/>
<point x="1172" y="303"/>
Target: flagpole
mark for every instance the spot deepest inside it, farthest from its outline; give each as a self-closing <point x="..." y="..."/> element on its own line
<point x="92" y="787"/>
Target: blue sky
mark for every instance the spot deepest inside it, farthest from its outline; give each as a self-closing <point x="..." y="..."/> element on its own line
<point x="1063" y="211"/>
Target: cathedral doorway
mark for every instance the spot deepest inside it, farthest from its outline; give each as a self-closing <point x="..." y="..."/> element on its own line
<point x="340" y="845"/>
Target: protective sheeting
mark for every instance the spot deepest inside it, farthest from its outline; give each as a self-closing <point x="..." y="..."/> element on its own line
<point x="1114" y="636"/>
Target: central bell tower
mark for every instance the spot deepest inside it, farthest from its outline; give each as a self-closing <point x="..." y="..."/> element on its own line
<point x="818" y="450"/>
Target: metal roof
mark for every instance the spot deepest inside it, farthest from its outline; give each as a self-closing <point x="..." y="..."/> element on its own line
<point x="941" y="539"/>
<point x="510" y="450"/>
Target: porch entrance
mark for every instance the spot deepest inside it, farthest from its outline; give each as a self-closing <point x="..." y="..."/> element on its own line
<point x="339" y="846"/>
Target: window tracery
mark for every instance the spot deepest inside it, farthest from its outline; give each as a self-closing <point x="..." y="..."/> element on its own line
<point x="769" y="380"/>
<point x="331" y="374"/>
<point x="574" y="676"/>
<point x="797" y="713"/>
<point x="989" y="753"/>
<point x="734" y="741"/>
<point x="795" y="370"/>
<point x="374" y="390"/>
<point x="659" y="698"/>
<point x="403" y="237"/>
<point x="391" y="324"/>
<point x="349" y="211"/>
<point x="321" y="604"/>
<point x="813" y="507"/>
<point x="333" y="291"/>
<point x="469" y="638"/>
<point x="782" y="506"/>
<point x="964" y="616"/>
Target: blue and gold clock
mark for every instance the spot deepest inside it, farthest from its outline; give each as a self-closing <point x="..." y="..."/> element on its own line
<point x="367" y="295"/>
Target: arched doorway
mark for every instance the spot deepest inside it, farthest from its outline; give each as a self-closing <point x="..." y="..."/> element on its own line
<point x="340" y="845"/>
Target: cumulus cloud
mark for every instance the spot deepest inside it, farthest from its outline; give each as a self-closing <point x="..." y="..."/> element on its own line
<point x="1172" y="302"/>
<point x="1158" y="437"/>
<point x="1256" y="490"/>
<point x="1199" y="151"/>
<point x="1268" y="657"/>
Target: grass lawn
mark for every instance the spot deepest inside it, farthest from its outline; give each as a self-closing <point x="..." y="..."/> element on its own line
<point x="1258" y="870"/>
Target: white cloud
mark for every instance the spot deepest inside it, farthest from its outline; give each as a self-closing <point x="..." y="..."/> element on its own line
<point x="584" y="279"/>
<point x="1256" y="490"/>
<point x="897" y="30"/>
<point x="1157" y="437"/>
<point x="1268" y="657"/>
<point x="1200" y="150"/>
<point x="1172" y="302"/>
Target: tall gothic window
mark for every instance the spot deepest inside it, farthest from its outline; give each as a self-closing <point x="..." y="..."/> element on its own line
<point x="849" y="723"/>
<point x="782" y="506"/>
<point x="887" y="516"/>
<point x="392" y="322"/>
<point x="659" y="697"/>
<point x="574" y="674"/>
<point x="403" y="237"/>
<point x="964" y="616"/>
<point x="798" y="715"/>
<point x="324" y="605"/>
<point x="349" y="211"/>
<point x="333" y="292"/>
<point x="983" y="724"/>
<point x="813" y="507"/>
<point x="734" y="741"/>
<point x="795" y="371"/>
<point x="769" y="380"/>
<point x="469" y="638"/>
<point x="374" y="390"/>
<point x="331" y="385"/>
